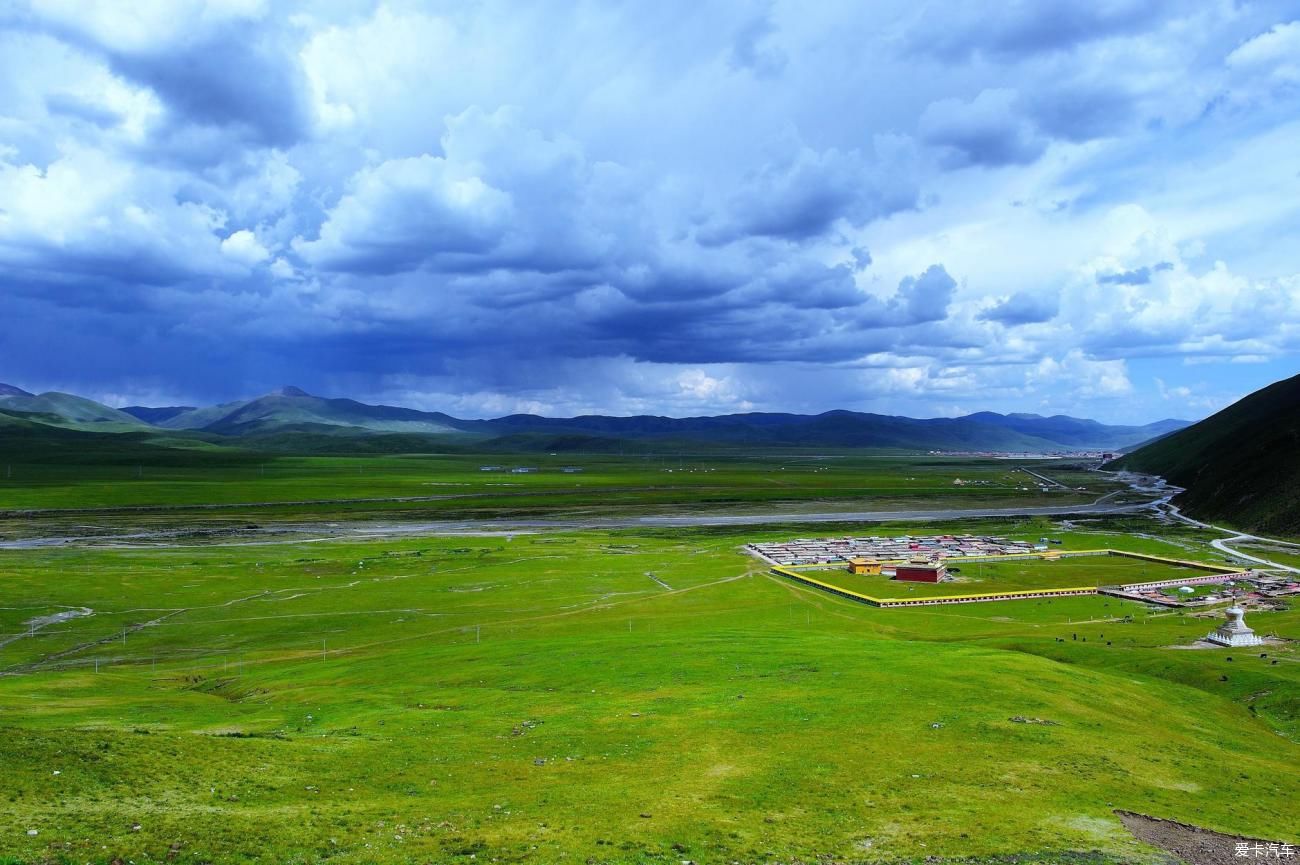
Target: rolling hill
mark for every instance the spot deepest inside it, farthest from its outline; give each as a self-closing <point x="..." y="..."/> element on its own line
<point x="294" y="407"/>
<point x="278" y="419"/>
<point x="66" y="410"/>
<point x="1240" y="466"/>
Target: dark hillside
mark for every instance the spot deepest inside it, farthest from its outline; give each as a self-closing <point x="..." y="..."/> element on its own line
<point x="1240" y="466"/>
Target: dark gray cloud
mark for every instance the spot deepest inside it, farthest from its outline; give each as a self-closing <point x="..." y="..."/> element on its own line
<point x="237" y="75"/>
<point x="990" y="130"/>
<point x="1082" y="111"/>
<point x="754" y="48"/>
<point x="1025" y="307"/>
<point x="926" y="297"/>
<point x="1027" y="27"/>
<point x="804" y="196"/>
<point x="1137" y="276"/>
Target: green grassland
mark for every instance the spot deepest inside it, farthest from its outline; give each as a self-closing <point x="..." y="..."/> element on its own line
<point x="453" y="484"/>
<point x="1283" y="555"/>
<point x="984" y="577"/>
<point x="610" y="697"/>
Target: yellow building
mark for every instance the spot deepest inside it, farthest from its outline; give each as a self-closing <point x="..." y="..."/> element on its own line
<point x="864" y="566"/>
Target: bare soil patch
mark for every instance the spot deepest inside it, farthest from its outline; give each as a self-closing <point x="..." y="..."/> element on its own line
<point x="1191" y="844"/>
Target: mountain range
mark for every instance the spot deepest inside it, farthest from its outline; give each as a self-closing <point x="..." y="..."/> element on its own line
<point x="289" y="415"/>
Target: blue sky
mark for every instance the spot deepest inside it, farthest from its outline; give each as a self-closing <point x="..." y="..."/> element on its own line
<point x="918" y="208"/>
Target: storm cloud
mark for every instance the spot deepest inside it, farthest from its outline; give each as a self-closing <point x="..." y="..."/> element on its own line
<point x="684" y="209"/>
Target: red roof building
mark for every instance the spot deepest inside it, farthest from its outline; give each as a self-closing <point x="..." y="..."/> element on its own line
<point x="921" y="572"/>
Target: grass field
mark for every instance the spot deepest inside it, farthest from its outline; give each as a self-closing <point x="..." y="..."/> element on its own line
<point x="630" y="696"/>
<point x="984" y="577"/>
<point x="454" y="485"/>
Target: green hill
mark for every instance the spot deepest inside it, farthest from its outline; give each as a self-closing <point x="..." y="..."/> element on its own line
<point x="291" y="407"/>
<point x="67" y="410"/>
<point x="1240" y="466"/>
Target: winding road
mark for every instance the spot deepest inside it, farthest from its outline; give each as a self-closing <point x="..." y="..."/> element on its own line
<point x="1223" y="544"/>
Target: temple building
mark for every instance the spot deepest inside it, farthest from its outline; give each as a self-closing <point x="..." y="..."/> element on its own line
<point x="921" y="571"/>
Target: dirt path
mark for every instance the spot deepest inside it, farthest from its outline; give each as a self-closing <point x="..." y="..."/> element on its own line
<point x="1195" y="846"/>
<point x="1044" y="478"/>
<point x="40" y="622"/>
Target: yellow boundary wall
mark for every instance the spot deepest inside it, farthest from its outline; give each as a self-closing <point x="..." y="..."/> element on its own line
<point x="1019" y="594"/>
<point x="1186" y="563"/>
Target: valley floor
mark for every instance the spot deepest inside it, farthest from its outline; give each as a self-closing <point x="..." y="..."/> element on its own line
<point x="641" y="694"/>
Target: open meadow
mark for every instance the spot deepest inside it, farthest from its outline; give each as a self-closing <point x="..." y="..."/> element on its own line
<point x="230" y="482"/>
<point x="609" y="696"/>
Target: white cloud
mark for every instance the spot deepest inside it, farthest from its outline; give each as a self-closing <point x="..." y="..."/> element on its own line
<point x="1275" y="53"/>
<point x="1086" y="378"/>
<point x="244" y="247"/>
<point x="87" y="210"/>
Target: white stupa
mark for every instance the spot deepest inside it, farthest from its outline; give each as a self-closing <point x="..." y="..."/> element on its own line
<point x="1234" y="632"/>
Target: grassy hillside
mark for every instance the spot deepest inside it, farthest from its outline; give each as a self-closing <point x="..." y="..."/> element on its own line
<point x="291" y="408"/>
<point x="65" y="409"/>
<point x="630" y="697"/>
<point x="1240" y="466"/>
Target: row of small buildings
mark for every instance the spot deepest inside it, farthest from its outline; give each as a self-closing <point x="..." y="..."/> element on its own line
<point x="821" y="551"/>
<point x="527" y="470"/>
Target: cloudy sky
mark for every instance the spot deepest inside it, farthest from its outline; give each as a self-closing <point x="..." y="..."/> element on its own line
<point x="679" y="208"/>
